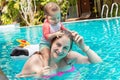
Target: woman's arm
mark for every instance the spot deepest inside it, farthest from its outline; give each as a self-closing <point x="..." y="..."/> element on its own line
<point x="74" y="57"/>
<point x="33" y="67"/>
<point x="91" y="57"/>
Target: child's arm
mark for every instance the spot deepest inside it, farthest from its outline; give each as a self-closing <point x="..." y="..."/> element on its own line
<point x="46" y="32"/>
<point x="52" y="35"/>
<point x="62" y="27"/>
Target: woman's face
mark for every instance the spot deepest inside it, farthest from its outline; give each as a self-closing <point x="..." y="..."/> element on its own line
<point x="60" y="48"/>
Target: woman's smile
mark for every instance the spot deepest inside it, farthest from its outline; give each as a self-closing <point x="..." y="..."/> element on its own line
<point x="60" y="47"/>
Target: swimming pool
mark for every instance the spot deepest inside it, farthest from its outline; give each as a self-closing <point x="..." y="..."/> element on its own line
<point x="103" y="36"/>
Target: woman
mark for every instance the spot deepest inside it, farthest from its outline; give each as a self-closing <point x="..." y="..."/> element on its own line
<point x="61" y="57"/>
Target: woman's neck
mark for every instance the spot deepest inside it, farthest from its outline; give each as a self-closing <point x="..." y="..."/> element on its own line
<point x="58" y="66"/>
<point x="53" y="63"/>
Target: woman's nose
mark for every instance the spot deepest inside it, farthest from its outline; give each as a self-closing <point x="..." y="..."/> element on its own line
<point x="60" y="49"/>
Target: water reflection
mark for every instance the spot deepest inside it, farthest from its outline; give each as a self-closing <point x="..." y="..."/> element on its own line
<point x="2" y="75"/>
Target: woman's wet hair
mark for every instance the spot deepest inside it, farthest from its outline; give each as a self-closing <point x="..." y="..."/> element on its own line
<point x="65" y="33"/>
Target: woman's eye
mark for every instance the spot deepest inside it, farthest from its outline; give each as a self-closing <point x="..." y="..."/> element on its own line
<point x="65" y="48"/>
<point x="58" y="44"/>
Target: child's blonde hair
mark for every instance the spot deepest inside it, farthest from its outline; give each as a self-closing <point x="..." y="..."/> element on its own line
<point x="50" y="8"/>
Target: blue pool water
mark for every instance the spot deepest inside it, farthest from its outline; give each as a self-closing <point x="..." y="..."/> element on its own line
<point x="103" y="36"/>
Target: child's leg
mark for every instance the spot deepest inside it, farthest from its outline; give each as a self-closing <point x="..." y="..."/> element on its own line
<point x="46" y="54"/>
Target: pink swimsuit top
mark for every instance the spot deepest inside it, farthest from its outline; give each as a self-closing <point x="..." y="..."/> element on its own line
<point x="59" y="73"/>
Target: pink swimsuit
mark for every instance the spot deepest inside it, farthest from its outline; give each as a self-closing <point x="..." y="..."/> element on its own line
<point x="59" y="73"/>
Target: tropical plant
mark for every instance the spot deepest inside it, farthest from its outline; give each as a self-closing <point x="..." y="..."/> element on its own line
<point x="9" y="12"/>
<point x="2" y="5"/>
<point x="27" y="12"/>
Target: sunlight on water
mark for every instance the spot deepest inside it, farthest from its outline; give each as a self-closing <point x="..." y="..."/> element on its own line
<point x="103" y="36"/>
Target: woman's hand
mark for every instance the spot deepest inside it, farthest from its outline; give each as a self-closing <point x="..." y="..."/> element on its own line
<point x="78" y="39"/>
<point x="46" y="71"/>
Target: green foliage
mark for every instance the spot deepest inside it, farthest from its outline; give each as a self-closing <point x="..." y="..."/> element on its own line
<point x="118" y="9"/>
<point x="72" y="2"/>
<point x="6" y="19"/>
<point x="109" y="3"/>
<point x="64" y="9"/>
<point x="114" y="11"/>
<point x="11" y="11"/>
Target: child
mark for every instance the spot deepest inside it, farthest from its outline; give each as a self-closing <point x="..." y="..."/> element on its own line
<point x="50" y="27"/>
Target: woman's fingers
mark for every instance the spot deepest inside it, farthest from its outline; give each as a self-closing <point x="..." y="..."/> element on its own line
<point x="78" y="38"/>
<point x="46" y="70"/>
<point x="74" y="33"/>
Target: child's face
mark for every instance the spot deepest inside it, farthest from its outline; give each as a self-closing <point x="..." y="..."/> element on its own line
<point x="54" y="19"/>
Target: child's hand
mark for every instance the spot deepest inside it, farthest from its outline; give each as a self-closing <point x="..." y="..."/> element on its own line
<point x="58" y="33"/>
<point x="55" y="34"/>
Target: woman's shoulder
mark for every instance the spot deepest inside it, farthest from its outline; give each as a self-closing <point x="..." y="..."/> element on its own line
<point x="36" y="56"/>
